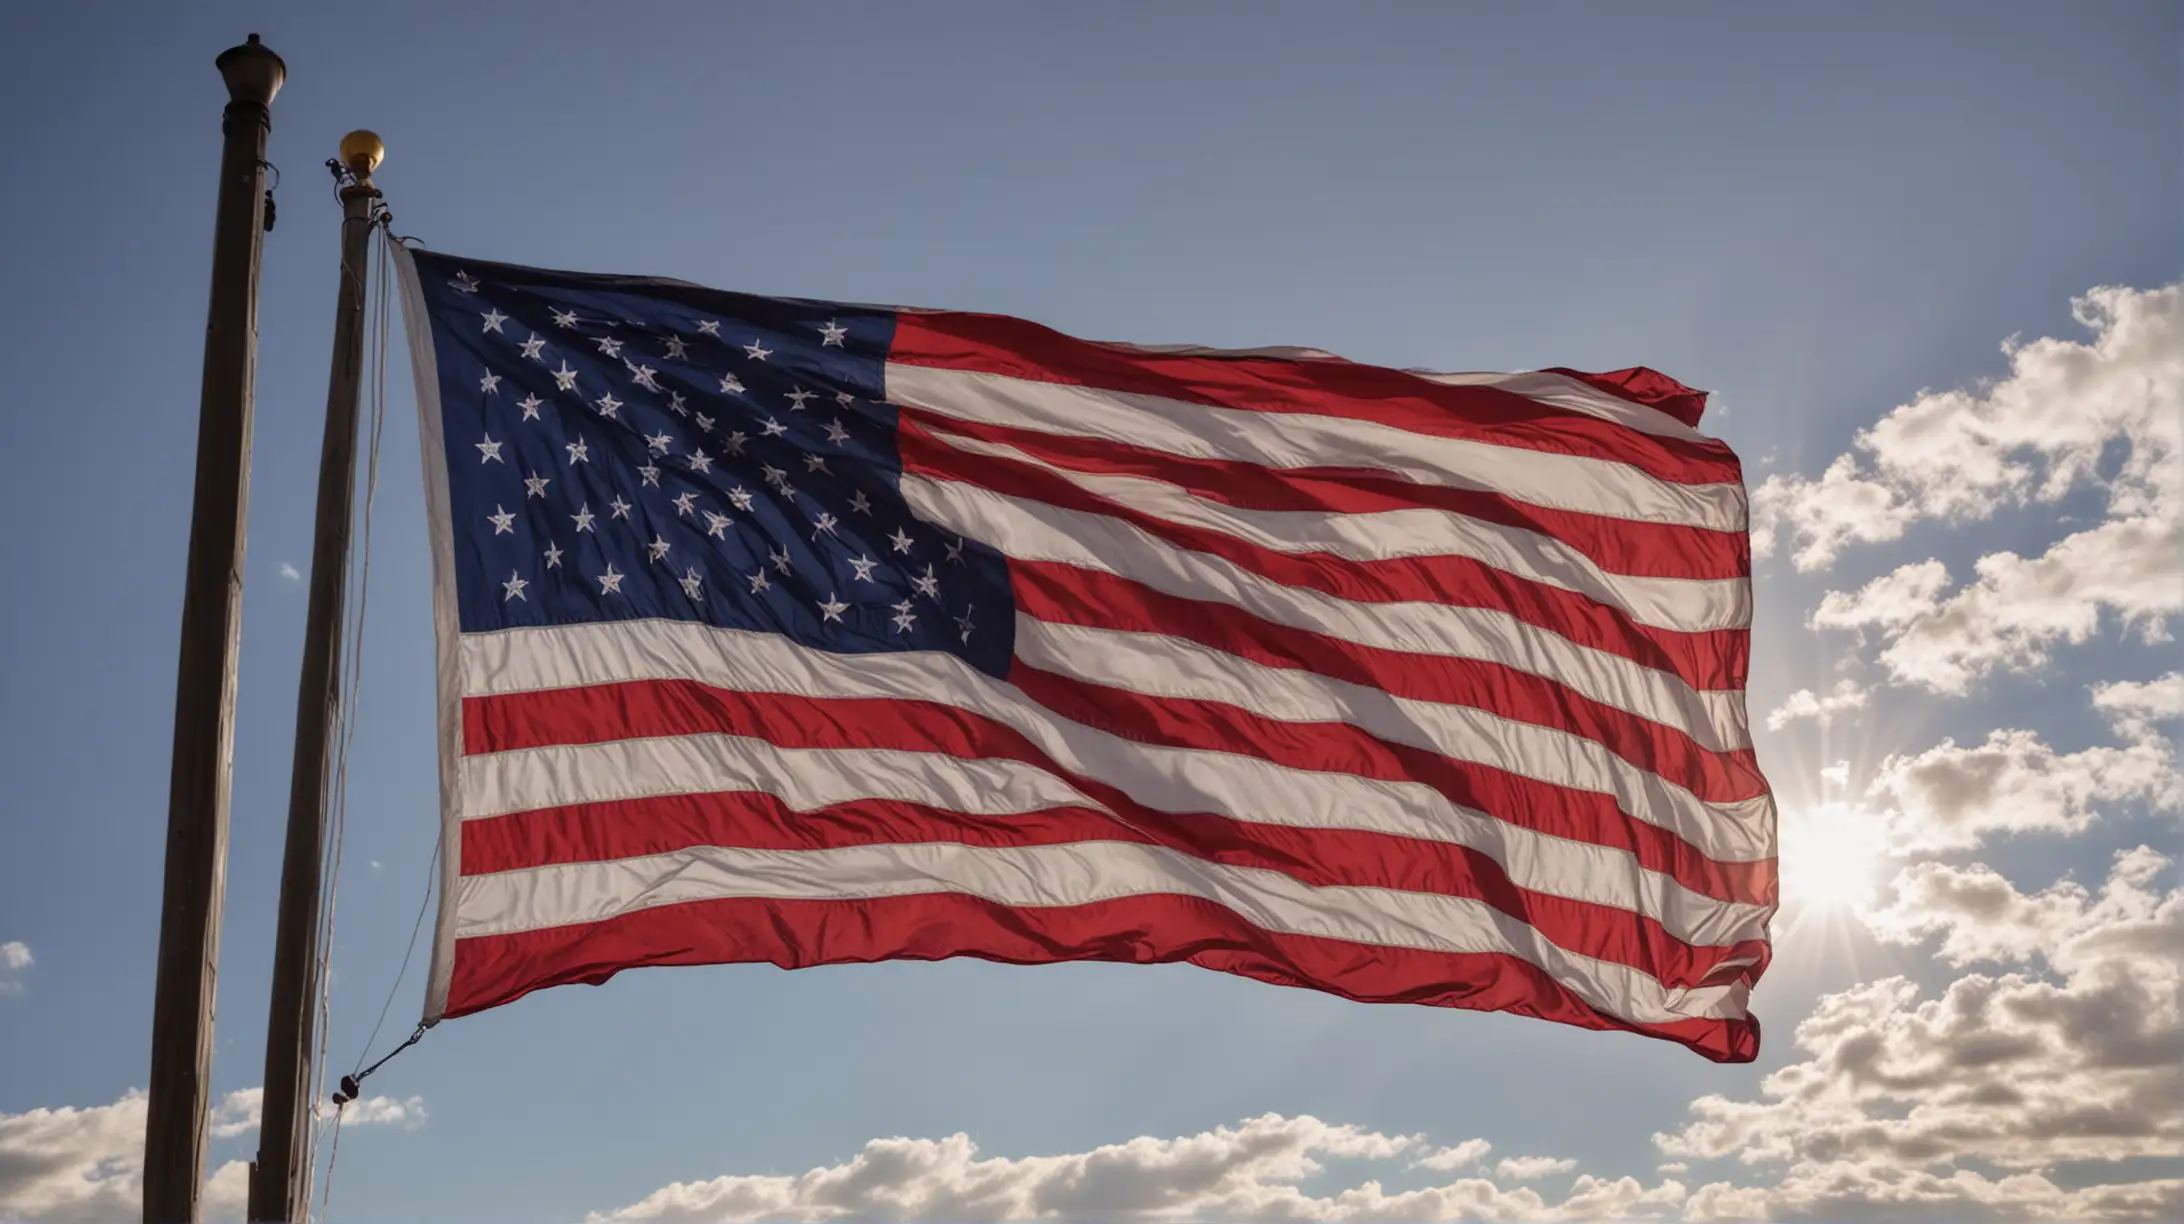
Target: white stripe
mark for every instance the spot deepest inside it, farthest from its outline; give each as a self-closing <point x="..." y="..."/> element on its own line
<point x="1158" y="665"/>
<point x="1288" y="440"/>
<point x="1168" y="779"/>
<point x="1034" y="531"/>
<point x="1077" y="873"/>
<point x="1683" y="604"/>
<point x="529" y="779"/>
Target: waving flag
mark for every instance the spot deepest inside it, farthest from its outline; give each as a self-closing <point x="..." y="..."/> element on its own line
<point x="804" y="632"/>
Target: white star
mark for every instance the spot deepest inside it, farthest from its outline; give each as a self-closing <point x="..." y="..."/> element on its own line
<point x="863" y="565"/>
<point x="836" y="434"/>
<point x="832" y="609"/>
<point x="709" y="327"/>
<point x="464" y="282"/>
<point x="659" y="546"/>
<point x="564" y="378"/>
<point x="904" y="617"/>
<point x="535" y="347"/>
<point x="610" y="346"/>
<point x="493" y="320"/>
<point x="823" y="524"/>
<point x="705" y="423"/>
<point x="797" y="397"/>
<point x="658" y="443"/>
<point x="642" y="375"/>
<point x="773" y="428"/>
<point x="513" y="588"/>
<point x="610" y="583"/>
<point x="816" y="463"/>
<point x="553" y="555"/>
<point x="774" y="476"/>
<point x="692" y="585"/>
<point x="583" y="517"/>
<point x="490" y="384"/>
<point x="780" y="559"/>
<point x="608" y="406"/>
<point x="503" y="522"/>
<point x="530" y="405"/>
<point x="927" y="584"/>
<point x="859" y="503"/>
<point x="844" y="398"/>
<point x="579" y="451"/>
<point x="534" y="485"/>
<point x="955" y="551"/>
<point x="730" y="385"/>
<point x="716" y="525"/>
<point x="651" y="475"/>
<point x="901" y="540"/>
<point x="685" y="503"/>
<point x="617" y="508"/>
<point x="564" y="318"/>
<point x="963" y="622"/>
<point x="700" y="461"/>
<point x="757" y="350"/>
<point x="741" y="497"/>
<point x="758" y="581"/>
<point x="675" y="347"/>
<point x="489" y="450"/>
<point x="833" y="333"/>
<point x="675" y="404"/>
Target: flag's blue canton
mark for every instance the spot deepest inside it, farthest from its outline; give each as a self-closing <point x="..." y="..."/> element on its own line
<point x="623" y="449"/>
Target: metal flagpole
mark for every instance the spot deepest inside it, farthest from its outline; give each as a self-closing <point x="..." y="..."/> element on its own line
<point x="204" y="705"/>
<point x="280" y="1178"/>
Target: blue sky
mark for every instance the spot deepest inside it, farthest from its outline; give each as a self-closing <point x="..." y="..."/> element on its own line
<point x="1816" y="214"/>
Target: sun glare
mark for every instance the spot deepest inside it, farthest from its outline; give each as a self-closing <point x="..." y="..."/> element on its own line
<point x="1831" y="856"/>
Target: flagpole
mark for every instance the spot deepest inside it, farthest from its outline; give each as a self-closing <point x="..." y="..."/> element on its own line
<point x="195" y="886"/>
<point x="280" y="1178"/>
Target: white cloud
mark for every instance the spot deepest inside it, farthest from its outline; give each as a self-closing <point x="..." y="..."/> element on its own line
<point x="1449" y="1159"/>
<point x="1835" y="777"/>
<point x="87" y="1164"/>
<point x="2135" y="706"/>
<point x="1826" y="515"/>
<point x="1247" y="1172"/>
<point x="2033" y="435"/>
<point x="15" y="955"/>
<point x="2019" y="1071"/>
<point x="291" y="573"/>
<point x="1804" y="703"/>
<point x="1952" y="797"/>
<point x="1531" y="1168"/>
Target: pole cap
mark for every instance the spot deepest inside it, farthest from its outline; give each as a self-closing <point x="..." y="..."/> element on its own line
<point x="362" y="151"/>
<point x="252" y="72"/>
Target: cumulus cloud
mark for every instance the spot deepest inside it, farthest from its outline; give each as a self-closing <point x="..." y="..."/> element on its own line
<point x="290" y="572"/>
<point x="1250" y="1171"/>
<point x="87" y="1164"/>
<point x="2106" y="413"/>
<point x="1531" y="1168"/>
<point x="2019" y="1071"/>
<point x="14" y="958"/>
<point x="1804" y="703"/>
<point x="2136" y="706"/>
<point x="1953" y="796"/>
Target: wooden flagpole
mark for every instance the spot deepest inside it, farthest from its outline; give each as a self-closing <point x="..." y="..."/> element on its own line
<point x="204" y="707"/>
<point x="280" y="1178"/>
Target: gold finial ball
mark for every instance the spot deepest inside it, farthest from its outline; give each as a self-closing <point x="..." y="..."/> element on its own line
<point x="361" y="152"/>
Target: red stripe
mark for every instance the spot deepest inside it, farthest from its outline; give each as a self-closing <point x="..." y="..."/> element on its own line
<point x="1619" y="546"/>
<point x="599" y="832"/>
<point x="992" y="344"/>
<point x="495" y="969"/>
<point x="643" y="709"/>
<point x="1452" y="581"/>
<point x="1640" y="385"/>
<point x="1062" y="594"/>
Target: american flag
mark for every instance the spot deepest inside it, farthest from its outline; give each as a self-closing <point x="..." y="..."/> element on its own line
<point x="792" y="631"/>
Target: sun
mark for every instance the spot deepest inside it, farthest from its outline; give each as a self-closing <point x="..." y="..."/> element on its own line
<point x="1831" y="858"/>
